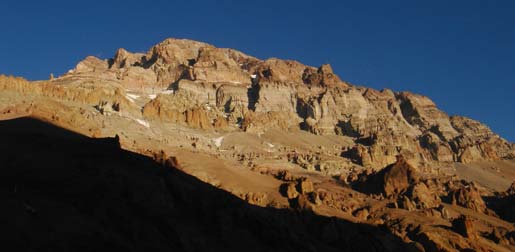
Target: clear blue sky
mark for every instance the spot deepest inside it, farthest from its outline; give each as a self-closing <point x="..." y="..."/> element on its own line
<point x="459" y="53"/>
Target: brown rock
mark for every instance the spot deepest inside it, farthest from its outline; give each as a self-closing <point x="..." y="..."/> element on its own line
<point x="286" y="176"/>
<point x="305" y="186"/>
<point x="423" y="197"/>
<point x="499" y="236"/>
<point x="216" y="65"/>
<point x="259" y="199"/>
<point x="316" y="198"/>
<point x="90" y="64"/>
<point x="464" y="225"/>
<point x="220" y="123"/>
<point x="303" y="203"/>
<point x="444" y="212"/>
<point x="395" y="179"/>
<point x="407" y="204"/>
<point x="197" y="118"/>
<point x="289" y="190"/>
<point x="468" y="196"/>
<point x="398" y="177"/>
<point x="510" y="190"/>
<point x="362" y="213"/>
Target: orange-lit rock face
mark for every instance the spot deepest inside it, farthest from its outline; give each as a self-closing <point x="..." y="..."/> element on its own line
<point x="258" y="95"/>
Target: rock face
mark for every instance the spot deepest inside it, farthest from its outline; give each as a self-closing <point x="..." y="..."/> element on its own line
<point x="394" y="179"/>
<point x="398" y="177"/>
<point x="468" y="196"/>
<point x="258" y="95"/>
<point x="178" y="109"/>
<point x="290" y="191"/>
<point x="423" y="197"/>
<point x="465" y="226"/>
<point x="401" y="182"/>
<point x="305" y="186"/>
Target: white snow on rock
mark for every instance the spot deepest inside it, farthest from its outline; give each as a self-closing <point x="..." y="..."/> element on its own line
<point x="129" y="98"/>
<point x="133" y="96"/>
<point x="253" y="76"/>
<point x="152" y="96"/>
<point x="218" y="141"/>
<point x="143" y="122"/>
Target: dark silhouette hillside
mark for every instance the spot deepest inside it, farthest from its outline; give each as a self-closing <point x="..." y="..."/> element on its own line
<point x="62" y="191"/>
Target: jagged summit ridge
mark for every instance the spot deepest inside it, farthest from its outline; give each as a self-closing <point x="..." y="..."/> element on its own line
<point x="176" y="59"/>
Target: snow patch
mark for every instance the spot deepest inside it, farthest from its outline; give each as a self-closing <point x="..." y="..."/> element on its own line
<point x="152" y="96"/>
<point x="168" y="92"/>
<point x="133" y="96"/>
<point x="143" y="122"/>
<point x="253" y="76"/>
<point x="218" y="141"/>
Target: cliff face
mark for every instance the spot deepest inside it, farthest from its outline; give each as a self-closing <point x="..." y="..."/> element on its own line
<point x="218" y="84"/>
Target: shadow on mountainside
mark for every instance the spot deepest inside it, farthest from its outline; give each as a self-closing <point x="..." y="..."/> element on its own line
<point x="62" y="191"/>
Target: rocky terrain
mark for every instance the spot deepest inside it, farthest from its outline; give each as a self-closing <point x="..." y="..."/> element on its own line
<point x="198" y="148"/>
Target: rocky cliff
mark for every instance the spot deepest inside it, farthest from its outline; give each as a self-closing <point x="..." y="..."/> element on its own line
<point x="204" y="86"/>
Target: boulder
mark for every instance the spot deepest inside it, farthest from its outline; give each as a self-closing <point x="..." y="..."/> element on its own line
<point x="289" y="190"/>
<point x="422" y="197"/>
<point x="305" y="186"/>
<point x="468" y="196"/>
<point x="465" y="226"/>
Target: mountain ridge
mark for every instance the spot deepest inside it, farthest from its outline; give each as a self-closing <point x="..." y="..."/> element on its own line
<point x="295" y="93"/>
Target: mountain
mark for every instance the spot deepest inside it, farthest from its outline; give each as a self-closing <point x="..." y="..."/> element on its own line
<point x="278" y="134"/>
<point x="288" y="95"/>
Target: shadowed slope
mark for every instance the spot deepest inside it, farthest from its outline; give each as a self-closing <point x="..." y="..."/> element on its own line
<point x="64" y="192"/>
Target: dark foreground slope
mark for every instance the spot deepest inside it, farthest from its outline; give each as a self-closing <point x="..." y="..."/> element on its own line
<point x="62" y="191"/>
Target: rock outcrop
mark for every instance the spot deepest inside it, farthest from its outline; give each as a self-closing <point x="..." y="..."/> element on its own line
<point x="422" y="197"/>
<point x="468" y="196"/>
<point x="394" y="179"/>
<point x="465" y="226"/>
